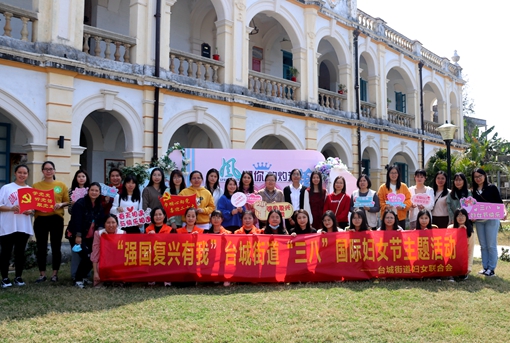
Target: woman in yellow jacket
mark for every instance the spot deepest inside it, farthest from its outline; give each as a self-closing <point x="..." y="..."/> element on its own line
<point x="205" y="200"/>
<point x="394" y="185"/>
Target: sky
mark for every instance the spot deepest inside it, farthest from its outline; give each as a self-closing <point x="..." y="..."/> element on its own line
<point x="475" y="29"/>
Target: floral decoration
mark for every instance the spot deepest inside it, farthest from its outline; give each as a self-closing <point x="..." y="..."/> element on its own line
<point x="330" y="163"/>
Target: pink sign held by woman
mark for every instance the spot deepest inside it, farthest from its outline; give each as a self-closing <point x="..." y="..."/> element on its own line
<point x="420" y="199"/>
<point x="395" y="200"/>
<point x="238" y="199"/>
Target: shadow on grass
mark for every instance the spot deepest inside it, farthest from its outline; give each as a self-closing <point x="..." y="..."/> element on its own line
<point x="35" y="300"/>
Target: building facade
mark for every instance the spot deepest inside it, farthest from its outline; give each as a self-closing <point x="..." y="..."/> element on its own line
<point x="81" y="82"/>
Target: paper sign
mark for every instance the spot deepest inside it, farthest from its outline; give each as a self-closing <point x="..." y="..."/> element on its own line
<point x="364" y="201"/>
<point x="108" y="191"/>
<point x="238" y="199"/>
<point x="176" y="205"/>
<point x="253" y="198"/>
<point x="35" y="199"/>
<point x="421" y="199"/>
<point x="262" y="209"/>
<point x="132" y="217"/>
<point x="395" y="200"/>
<point x="79" y="193"/>
<point x="482" y="210"/>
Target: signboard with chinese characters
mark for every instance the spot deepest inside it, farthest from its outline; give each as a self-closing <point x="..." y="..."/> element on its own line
<point x="281" y="258"/>
<point x="79" y="193"/>
<point x="364" y="202"/>
<point x="35" y="199"/>
<point x="132" y="217"/>
<point x="482" y="210"/>
<point x="395" y="200"/>
<point x="262" y="209"/>
<point x="420" y="199"/>
<point x="176" y="205"/>
<point x="108" y="191"/>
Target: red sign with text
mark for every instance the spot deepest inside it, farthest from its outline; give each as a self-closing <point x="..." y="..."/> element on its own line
<point x="35" y="199"/>
<point x="278" y="258"/>
<point x="176" y="205"/>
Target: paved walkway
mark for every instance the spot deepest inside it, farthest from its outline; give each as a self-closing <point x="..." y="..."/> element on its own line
<point x="478" y="254"/>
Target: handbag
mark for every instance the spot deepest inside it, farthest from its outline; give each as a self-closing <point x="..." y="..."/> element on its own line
<point x="90" y="233"/>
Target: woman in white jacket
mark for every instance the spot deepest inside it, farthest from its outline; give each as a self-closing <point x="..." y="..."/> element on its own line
<point x="129" y="199"/>
<point x="419" y="177"/>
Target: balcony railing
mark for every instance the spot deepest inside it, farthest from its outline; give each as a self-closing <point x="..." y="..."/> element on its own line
<point x="102" y="43"/>
<point x="195" y="66"/>
<point x="431" y="57"/>
<point x="274" y="86"/>
<point x="431" y="127"/>
<point x="26" y="20"/>
<point x="399" y="118"/>
<point x="331" y="99"/>
<point x="368" y="110"/>
<point x="367" y="21"/>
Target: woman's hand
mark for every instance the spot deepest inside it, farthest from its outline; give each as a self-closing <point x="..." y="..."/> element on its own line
<point x="293" y="234"/>
<point x="120" y="209"/>
<point x="28" y="212"/>
<point x="194" y="233"/>
<point x="96" y="277"/>
<point x="174" y="226"/>
<point x="15" y="209"/>
<point x="200" y="210"/>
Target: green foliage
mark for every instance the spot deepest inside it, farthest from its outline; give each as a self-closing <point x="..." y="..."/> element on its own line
<point x="505" y="255"/>
<point x="139" y="170"/>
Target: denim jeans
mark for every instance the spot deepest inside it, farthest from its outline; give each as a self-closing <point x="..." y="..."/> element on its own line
<point x="487" y="232"/>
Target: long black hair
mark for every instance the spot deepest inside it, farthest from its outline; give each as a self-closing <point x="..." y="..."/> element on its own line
<point x="296" y="225"/>
<point x="173" y="190"/>
<point x="485" y="181"/>
<point x="216" y="184"/>
<point x="434" y="185"/>
<point x="74" y="184"/>
<point x="331" y="215"/>
<point x="364" y="223"/>
<point x="162" y="182"/>
<point x="459" y="193"/>
<point x="225" y="191"/>
<point x="251" y="187"/>
<point x="469" y="223"/>
<point x="312" y="187"/>
<point x="136" y="192"/>
<point x="422" y="213"/>
<point x="388" y="181"/>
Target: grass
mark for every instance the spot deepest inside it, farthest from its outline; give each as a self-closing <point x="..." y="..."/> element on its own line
<point x="476" y="310"/>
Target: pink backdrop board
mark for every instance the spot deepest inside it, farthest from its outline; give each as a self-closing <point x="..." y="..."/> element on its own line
<point x="232" y="162"/>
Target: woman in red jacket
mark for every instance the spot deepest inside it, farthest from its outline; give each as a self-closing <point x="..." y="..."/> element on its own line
<point x="339" y="202"/>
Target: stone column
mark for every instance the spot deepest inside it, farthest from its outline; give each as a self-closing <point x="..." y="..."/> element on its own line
<point x="141" y="26"/>
<point x="345" y="77"/>
<point x="384" y="158"/>
<point x="133" y="157"/>
<point x="148" y="124"/>
<point x="226" y="48"/>
<point x="413" y="106"/>
<point x="311" y="135"/>
<point x="374" y="95"/>
<point x="59" y="102"/>
<point x="76" y="152"/>
<point x="354" y="150"/>
<point x="238" y="127"/>
<point x="383" y="88"/>
<point x="36" y="155"/>
<point x="309" y="71"/>
<point x="299" y="61"/>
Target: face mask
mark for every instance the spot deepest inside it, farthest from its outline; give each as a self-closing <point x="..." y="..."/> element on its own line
<point x="274" y="227"/>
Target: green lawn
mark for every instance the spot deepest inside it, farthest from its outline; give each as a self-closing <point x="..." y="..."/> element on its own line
<point x="476" y="310"/>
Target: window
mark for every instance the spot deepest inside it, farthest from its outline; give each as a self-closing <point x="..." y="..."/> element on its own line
<point x="404" y="175"/>
<point x="365" y="164"/>
<point x="287" y="64"/>
<point x="400" y="102"/>
<point x="363" y="87"/>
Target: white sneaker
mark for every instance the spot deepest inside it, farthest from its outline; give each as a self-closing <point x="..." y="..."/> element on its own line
<point x="226" y="284"/>
<point x="79" y="284"/>
<point x="6" y="283"/>
<point x="167" y="284"/>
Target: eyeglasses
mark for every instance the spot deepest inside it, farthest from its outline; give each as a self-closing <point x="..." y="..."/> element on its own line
<point x="48" y="169"/>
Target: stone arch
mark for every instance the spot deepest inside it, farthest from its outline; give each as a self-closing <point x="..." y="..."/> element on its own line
<point x="287" y="136"/>
<point x="404" y="71"/>
<point x="126" y="115"/>
<point x="340" y="144"/>
<point x="340" y="46"/>
<point x="33" y="128"/>
<point x="373" y="149"/>
<point x="283" y="15"/>
<point x="409" y="155"/>
<point x="197" y="116"/>
<point x="370" y="57"/>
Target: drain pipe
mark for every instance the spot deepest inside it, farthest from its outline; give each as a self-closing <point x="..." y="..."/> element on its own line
<point x="155" y="119"/>
<point x="420" y="66"/>
<point x="355" y="34"/>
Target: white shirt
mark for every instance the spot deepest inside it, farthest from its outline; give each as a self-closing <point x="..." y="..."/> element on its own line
<point x="118" y="202"/>
<point x="9" y="221"/>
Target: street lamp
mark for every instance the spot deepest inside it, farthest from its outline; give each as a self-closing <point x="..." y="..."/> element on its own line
<point x="447" y="132"/>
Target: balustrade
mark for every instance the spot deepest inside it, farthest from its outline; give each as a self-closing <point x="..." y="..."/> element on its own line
<point x="399" y="118"/>
<point x="103" y="42"/>
<point x="431" y="127"/>
<point x="18" y="17"/>
<point x="195" y="66"/>
<point x="368" y="110"/>
<point x="269" y="85"/>
<point x="331" y="100"/>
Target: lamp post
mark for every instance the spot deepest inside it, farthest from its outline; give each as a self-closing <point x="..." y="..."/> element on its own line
<point x="447" y="132"/>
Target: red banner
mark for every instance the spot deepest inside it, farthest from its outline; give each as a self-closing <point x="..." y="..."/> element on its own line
<point x="276" y="258"/>
<point x="176" y="205"/>
<point x="35" y="199"/>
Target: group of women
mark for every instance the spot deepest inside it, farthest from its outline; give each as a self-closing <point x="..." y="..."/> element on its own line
<point x="315" y="212"/>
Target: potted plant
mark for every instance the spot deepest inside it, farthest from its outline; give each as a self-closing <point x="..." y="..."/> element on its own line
<point x="216" y="56"/>
<point x="342" y="88"/>
<point x="294" y="72"/>
<point x="388" y="102"/>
